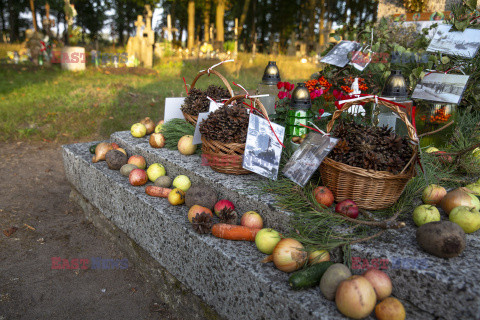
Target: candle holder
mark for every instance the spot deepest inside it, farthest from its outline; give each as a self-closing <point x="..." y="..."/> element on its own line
<point x="271" y="76"/>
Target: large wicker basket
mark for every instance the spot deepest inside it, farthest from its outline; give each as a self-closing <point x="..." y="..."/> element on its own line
<point x="370" y="189"/>
<point x="191" y="118"/>
<point x="227" y="157"/>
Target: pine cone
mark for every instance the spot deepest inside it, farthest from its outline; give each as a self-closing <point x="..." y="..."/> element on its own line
<point x="228" y="215"/>
<point x="202" y="223"/>
<point x="227" y="124"/>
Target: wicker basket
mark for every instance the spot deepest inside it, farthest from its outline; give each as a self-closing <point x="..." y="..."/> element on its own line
<point x="227" y="157"/>
<point x="191" y="118"/>
<point x="370" y="189"/>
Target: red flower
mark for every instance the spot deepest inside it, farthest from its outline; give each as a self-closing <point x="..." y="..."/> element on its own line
<point x="289" y="86"/>
<point x="289" y="96"/>
<point x="280" y="85"/>
<point x="313" y="95"/>
<point x="282" y="94"/>
<point x="321" y="111"/>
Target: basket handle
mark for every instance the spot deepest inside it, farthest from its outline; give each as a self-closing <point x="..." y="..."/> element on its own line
<point x="412" y="133"/>
<point x="201" y="73"/>
<point x="244" y="96"/>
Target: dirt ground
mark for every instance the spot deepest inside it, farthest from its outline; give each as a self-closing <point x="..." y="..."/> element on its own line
<point x="34" y="198"/>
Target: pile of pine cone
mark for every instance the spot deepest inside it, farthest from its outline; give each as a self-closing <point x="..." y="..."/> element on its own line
<point x="227" y="124"/>
<point x="197" y="101"/>
<point x="377" y="148"/>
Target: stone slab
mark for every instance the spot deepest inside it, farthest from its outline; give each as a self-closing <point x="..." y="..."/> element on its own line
<point x="445" y="289"/>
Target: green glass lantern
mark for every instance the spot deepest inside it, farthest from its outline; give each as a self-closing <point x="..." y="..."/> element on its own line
<point x="300" y="111"/>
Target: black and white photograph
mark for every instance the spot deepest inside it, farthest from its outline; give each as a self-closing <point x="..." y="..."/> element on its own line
<point x="457" y="43"/>
<point x="441" y="87"/>
<point x="339" y="55"/>
<point x="306" y="159"/>
<point x="262" y="149"/>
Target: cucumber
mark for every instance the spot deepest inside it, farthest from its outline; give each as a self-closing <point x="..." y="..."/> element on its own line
<point x="92" y="148"/>
<point x="309" y="276"/>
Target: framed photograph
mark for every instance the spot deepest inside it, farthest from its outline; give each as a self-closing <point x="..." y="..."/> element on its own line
<point x="262" y="149"/>
<point x="338" y="56"/>
<point x="308" y="157"/>
<point x="441" y="87"/>
<point x="457" y="43"/>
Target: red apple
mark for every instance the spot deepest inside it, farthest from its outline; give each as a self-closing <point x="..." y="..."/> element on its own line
<point x="138" y="177"/>
<point x="380" y="282"/>
<point x="223" y="204"/>
<point x="348" y="208"/>
<point x="252" y="219"/>
<point x="443" y="157"/>
<point x="157" y="140"/>
<point x="115" y="145"/>
<point x="433" y="194"/>
<point x="323" y="196"/>
<point x="137" y="160"/>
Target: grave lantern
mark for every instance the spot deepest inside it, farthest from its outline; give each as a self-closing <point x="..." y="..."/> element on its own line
<point x="300" y="111"/>
<point x="270" y="78"/>
<point x="395" y="89"/>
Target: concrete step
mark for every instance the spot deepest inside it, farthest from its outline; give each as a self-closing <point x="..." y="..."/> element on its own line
<point x="228" y="276"/>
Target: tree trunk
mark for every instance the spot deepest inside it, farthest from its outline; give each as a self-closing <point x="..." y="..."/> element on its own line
<point x="34" y="14"/>
<point x="206" y="21"/>
<point x="13" y="21"/>
<point x="59" y="16"/>
<point x="321" y="40"/>
<point x="191" y="24"/>
<point x="2" y="16"/>
<point x="220" y="12"/>
<point x="243" y="17"/>
<point x="311" y="23"/>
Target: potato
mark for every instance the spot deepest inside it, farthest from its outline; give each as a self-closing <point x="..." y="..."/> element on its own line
<point x="163" y="181"/>
<point x="443" y="239"/>
<point x="335" y="274"/>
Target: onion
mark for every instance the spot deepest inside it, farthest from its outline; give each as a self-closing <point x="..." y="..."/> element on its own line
<point x="458" y="197"/>
<point x="101" y="150"/>
<point x="289" y="255"/>
<point x="149" y="125"/>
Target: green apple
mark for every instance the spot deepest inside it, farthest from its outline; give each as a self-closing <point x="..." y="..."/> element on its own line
<point x="425" y="213"/>
<point x="431" y="150"/>
<point x="476" y="153"/>
<point x="138" y="130"/>
<point x="159" y="126"/>
<point x="266" y="240"/>
<point x="468" y="218"/>
<point x="154" y="171"/>
<point x="475" y="188"/>
<point x="182" y="182"/>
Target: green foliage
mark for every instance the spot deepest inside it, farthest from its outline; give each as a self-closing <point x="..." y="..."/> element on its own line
<point x="173" y="130"/>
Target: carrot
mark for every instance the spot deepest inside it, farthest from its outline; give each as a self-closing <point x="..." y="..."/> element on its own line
<point x="155" y="191"/>
<point x="234" y="232"/>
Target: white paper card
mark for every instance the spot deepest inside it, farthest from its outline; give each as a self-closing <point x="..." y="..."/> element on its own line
<point x="197" y="136"/>
<point x="172" y="109"/>
<point x="214" y="106"/>
<point x="262" y="149"/>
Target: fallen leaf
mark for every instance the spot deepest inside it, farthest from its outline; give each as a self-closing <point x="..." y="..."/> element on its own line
<point x="29" y="227"/>
<point x="8" y="232"/>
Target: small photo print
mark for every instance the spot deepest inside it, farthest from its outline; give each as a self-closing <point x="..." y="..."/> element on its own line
<point x="339" y="55"/>
<point x="457" y="43"/>
<point x="441" y="87"/>
<point x="262" y="149"/>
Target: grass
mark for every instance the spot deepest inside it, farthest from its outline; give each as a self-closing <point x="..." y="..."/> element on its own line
<point x="55" y="105"/>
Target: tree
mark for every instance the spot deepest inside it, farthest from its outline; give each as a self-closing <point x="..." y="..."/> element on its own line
<point x="91" y="16"/>
<point x="206" y="20"/>
<point x="191" y="24"/>
<point x="219" y="22"/>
